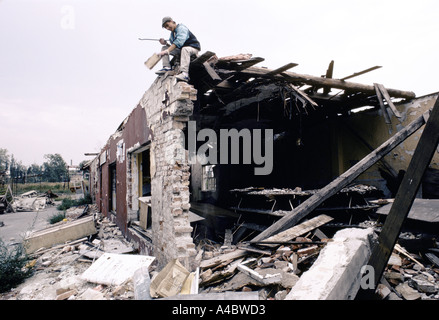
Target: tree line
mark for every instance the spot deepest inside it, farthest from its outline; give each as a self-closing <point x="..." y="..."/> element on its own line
<point x="54" y="169"/>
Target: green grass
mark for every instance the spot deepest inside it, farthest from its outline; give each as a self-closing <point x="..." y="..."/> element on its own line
<point x="58" y="188"/>
<point x="68" y="203"/>
<point x="57" y="217"/>
<point x="12" y="267"/>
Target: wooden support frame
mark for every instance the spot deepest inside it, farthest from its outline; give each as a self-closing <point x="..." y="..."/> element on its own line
<point x="382" y="106"/>
<point x="203" y="58"/>
<point x="304" y="95"/>
<point x="329" y="73"/>
<point x="384" y="94"/>
<point x="406" y="195"/>
<point x="306" y="207"/>
<point x="211" y="72"/>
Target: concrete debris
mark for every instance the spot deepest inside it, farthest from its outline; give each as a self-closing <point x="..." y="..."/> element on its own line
<point x="105" y="266"/>
<point x="60" y="233"/>
<point x="114" y="269"/>
<point x="58" y="270"/>
<point x="32" y="201"/>
<point x="335" y="274"/>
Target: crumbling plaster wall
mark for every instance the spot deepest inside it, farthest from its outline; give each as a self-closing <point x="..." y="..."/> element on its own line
<point x="168" y="106"/>
<point x="372" y="128"/>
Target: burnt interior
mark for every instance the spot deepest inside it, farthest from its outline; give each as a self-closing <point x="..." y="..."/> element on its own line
<point x="233" y="93"/>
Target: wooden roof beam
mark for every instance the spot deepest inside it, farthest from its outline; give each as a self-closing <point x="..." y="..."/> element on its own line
<point x="282" y="69"/>
<point x="356" y="74"/>
<point x="320" y="81"/>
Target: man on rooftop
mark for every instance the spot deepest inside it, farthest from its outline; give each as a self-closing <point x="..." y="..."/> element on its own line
<point x="183" y="42"/>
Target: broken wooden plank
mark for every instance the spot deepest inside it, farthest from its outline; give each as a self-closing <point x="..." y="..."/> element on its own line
<point x="282" y="69"/>
<point x="386" y="97"/>
<point x="408" y="255"/>
<point x="218" y="276"/>
<point x="433" y="258"/>
<point x="304" y="95"/>
<point x="329" y="73"/>
<point x="356" y="74"/>
<point x="382" y="106"/>
<point x="251" y="249"/>
<point x="406" y="194"/>
<point x="244" y="64"/>
<point x="292" y="217"/>
<point x="265" y="280"/>
<point x="224" y="257"/>
<point x="306" y="243"/>
<point x="201" y="59"/>
<point x="296" y="231"/>
<point x="211" y="72"/>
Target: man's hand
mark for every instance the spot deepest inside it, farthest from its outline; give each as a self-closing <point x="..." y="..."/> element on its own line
<point x="164" y="52"/>
<point x="162" y="41"/>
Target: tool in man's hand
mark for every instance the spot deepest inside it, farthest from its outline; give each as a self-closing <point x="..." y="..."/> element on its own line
<point x="153" y="40"/>
<point x="149" y="39"/>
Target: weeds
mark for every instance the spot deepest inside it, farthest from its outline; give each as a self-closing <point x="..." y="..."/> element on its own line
<point x="57" y="217"/>
<point x="68" y="203"/>
<point x="12" y="267"/>
<point x="58" y="188"/>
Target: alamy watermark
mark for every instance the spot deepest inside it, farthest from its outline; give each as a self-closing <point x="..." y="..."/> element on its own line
<point x="251" y="146"/>
<point x="68" y="17"/>
<point x="367" y="277"/>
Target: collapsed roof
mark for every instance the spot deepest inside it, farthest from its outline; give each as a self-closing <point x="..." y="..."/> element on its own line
<point x="230" y="84"/>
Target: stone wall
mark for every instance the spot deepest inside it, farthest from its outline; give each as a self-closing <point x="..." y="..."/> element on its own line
<point x="168" y="106"/>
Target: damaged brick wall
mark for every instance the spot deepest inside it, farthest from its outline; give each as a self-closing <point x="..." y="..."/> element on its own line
<point x="168" y="106"/>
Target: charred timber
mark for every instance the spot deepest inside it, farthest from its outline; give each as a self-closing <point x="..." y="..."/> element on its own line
<point x="327" y="82"/>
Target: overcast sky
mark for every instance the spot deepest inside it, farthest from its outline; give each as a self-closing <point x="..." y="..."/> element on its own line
<point x="71" y="71"/>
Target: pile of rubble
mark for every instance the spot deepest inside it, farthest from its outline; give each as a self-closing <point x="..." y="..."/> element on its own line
<point x="58" y="270"/>
<point x="32" y="201"/>
<point x="104" y="266"/>
<point x="407" y="278"/>
<point x="272" y="273"/>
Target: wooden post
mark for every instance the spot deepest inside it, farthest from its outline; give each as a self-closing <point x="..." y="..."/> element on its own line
<point x="386" y="97"/>
<point x="291" y="218"/>
<point x="406" y="194"/>
<point x="382" y="106"/>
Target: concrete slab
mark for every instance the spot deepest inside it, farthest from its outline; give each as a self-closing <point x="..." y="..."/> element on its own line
<point x="60" y="234"/>
<point x="336" y="274"/>
<point x="114" y="269"/>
